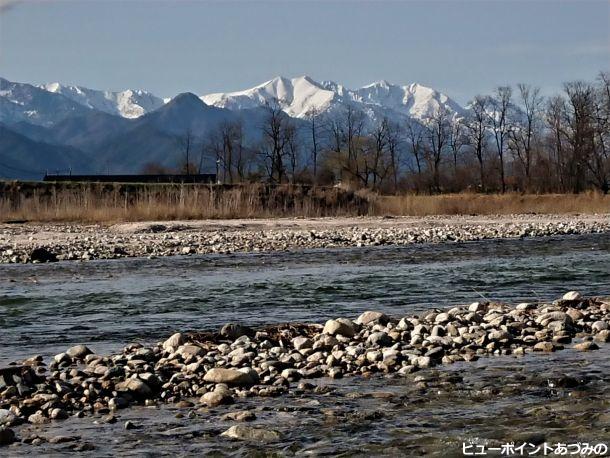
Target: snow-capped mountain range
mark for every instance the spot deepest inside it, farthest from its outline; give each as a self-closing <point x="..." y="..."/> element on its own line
<point x="298" y="97"/>
<point x="124" y="130"/>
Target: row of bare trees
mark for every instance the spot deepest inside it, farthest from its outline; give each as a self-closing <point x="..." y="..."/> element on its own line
<point x="509" y="140"/>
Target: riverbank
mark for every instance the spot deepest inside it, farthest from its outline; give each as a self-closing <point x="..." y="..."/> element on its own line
<point x="202" y="373"/>
<point x="21" y="243"/>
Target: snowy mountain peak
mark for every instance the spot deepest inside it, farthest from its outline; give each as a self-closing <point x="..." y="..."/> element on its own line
<point x="297" y="96"/>
<point x="128" y="104"/>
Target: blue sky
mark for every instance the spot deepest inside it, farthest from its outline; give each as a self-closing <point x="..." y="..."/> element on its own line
<point x="459" y="47"/>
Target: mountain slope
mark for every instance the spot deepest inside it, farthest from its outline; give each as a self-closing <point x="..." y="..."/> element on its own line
<point x="21" y="157"/>
<point x="89" y="131"/>
<point x="156" y="137"/>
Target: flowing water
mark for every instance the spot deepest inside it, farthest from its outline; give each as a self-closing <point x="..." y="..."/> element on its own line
<point x="107" y="304"/>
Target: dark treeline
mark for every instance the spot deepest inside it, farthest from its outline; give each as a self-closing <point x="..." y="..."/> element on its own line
<point x="511" y="140"/>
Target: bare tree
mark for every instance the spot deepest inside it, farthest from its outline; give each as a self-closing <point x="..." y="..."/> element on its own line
<point x="556" y="143"/>
<point x="292" y="147"/>
<point x="579" y="130"/>
<point x="500" y="126"/>
<point x="393" y="139"/>
<point x="600" y="162"/>
<point x="345" y="136"/>
<point x="457" y="139"/>
<point x="476" y="125"/>
<point x="353" y="130"/>
<point x="377" y="166"/>
<point x="438" y="132"/>
<point x="186" y="143"/>
<point x="525" y="128"/>
<point x="313" y="116"/>
<point x="415" y="140"/>
<point x="274" y="135"/>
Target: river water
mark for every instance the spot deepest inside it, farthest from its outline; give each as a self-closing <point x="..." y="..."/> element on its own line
<point x="107" y="304"/>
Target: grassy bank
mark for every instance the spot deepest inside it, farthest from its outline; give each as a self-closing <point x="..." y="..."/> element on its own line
<point x="97" y="202"/>
<point x="104" y="202"/>
<point x="492" y="204"/>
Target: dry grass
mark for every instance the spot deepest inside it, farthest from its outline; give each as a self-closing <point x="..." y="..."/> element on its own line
<point x="119" y="202"/>
<point x="109" y="203"/>
<point x="491" y="204"/>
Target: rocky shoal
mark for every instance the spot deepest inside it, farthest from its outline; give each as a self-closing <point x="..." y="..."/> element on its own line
<point x="209" y="369"/>
<point x="97" y="242"/>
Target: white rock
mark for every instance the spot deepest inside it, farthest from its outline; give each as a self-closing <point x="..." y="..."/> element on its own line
<point x="571" y="296"/>
<point x="241" y="377"/>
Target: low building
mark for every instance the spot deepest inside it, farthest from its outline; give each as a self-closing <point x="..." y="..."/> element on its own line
<point x="162" y="178"/>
